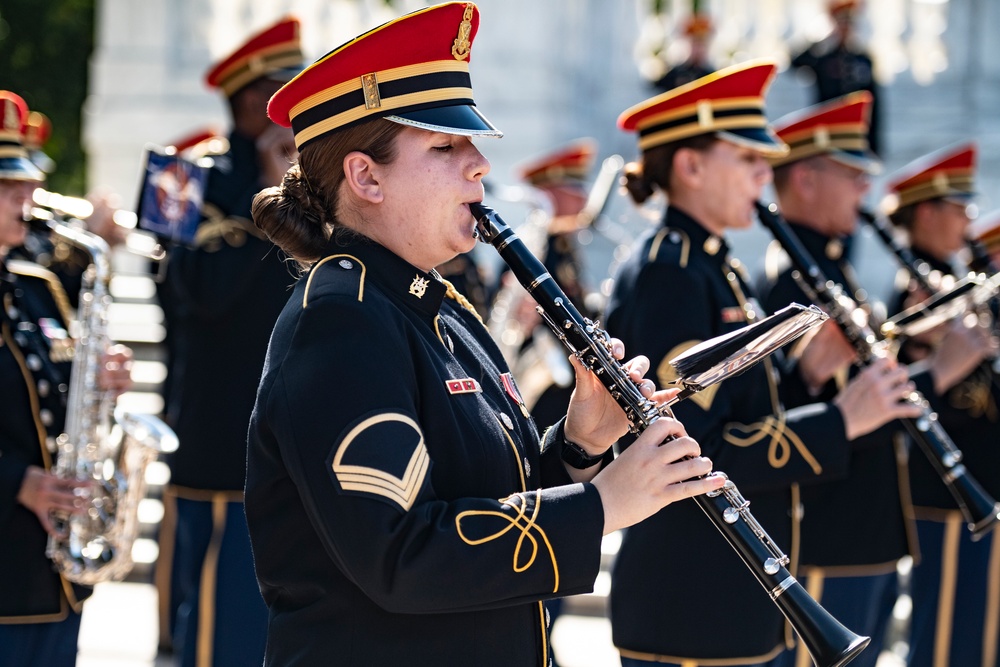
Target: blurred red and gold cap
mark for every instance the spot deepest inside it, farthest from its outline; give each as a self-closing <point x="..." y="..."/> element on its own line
<point x="986" y="230"/>
<point x="568" y="164"/>
<point x="837" y="129"/>
<point x="14" y="162"/>
<point x="946" y="174"/>
<point x="728" y="103"/>
<point x="274" y="53"/>
<point x="413" y="70"/>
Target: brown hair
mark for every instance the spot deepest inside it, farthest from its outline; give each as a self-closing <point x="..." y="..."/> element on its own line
<point x="642" y="178"/>
<point x="903" y="216"/>
<point x="300" y="215"/>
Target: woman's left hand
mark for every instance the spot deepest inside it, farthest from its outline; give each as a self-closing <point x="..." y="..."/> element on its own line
<point x="594" y="420"/>
<point x="116" y="370"/>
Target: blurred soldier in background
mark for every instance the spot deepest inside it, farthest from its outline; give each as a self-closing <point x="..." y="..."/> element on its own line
<point x="956" y="584"/>
<point x="698" y="31"/>
<point x="95" y="214"/>
<point x="839" y="65"/>
<point x="537" y="358"/>
<point x="39" y="609"/>
<point x="545" y="376"/>
<point x="220" y="300"/>
<point x="680" y="287"/>
<point x="820" y="186"/>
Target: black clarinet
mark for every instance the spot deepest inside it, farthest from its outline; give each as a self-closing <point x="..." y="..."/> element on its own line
<point x="980" y="510"/>
<point x="828" y="641"/>
<point x="919" y="270"/>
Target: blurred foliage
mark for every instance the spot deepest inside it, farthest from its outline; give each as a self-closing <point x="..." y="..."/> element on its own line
<point x="45" y="48"/>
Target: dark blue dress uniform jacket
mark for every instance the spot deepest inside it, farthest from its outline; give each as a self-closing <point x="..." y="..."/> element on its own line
<point x="861" y="524"/>
<point x="220" y="300"/>
<point x="394" y="481"/>
<point x="676" y="580"/>
<point x="35" y="360"/>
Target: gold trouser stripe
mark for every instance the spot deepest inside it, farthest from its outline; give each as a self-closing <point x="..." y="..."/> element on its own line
<point x="165" y="564"/>
<point x="946" y="593"/>
<point x="991" y="624"/>
<point x="206" y="596"/>
<point x="545" y="634"/>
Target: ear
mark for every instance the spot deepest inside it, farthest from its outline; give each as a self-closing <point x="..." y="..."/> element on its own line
<point x="360" y="176"/>
<point x="689" y="168"/>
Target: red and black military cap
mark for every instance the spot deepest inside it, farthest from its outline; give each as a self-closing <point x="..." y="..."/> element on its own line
<point x="728" y="103"/>
<point x="413" y="70"/>
<point x="568" y="164"/>
<point x="274" y="53"/>
<point x="837" y="129"/>
<point x="946" y="174"/>
<point x="14" y="162"/>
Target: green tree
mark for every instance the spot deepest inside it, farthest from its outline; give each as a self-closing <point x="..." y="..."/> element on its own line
<point x="45" y="48"/>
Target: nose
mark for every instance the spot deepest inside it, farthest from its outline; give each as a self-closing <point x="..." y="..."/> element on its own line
<point x="764" y="172"/>
<point x="479" y="166"/>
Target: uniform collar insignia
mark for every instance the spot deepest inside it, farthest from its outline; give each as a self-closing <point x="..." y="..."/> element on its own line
<point x="712" y="245"/>
<point x="835" y="249"/>
<point x="419" y="286"/>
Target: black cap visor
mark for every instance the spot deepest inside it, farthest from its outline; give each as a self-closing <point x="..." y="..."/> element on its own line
<point x="461" y="119"/>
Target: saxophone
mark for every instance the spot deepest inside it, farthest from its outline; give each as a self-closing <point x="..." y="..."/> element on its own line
<point x="104" y="448"/>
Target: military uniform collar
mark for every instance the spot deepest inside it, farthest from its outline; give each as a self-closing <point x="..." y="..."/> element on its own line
<point x="417" y="289"/>
<point x="944" y="267"/>
<point x="701" y="239"/>
<point x="820" y="245"/>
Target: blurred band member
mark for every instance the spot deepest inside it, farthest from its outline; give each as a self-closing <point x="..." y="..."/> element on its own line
<point x="220" y="300"/>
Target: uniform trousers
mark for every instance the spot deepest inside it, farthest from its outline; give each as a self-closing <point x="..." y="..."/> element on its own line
<point x="219" y="616"/>
<point x="956" y="597"/>
<point x="40" y="644"/>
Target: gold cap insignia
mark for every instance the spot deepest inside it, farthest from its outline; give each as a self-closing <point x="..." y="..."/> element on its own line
<point x="369" y="84"/>
<point x="419" y="286"/>
<point x="11" y="119"/>
<point x="462" y="44"/>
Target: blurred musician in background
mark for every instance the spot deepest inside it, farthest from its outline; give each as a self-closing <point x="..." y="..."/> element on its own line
<point x="820" y="185"/>
<point x="39" y="610"/>
<point x="95" y="214"/>
<point x="713" y="167"/>
<point x="220" y="301"/>
<point x="839" y="64"/>
<point x="538" y="360"/>
<point x="697" y="32"/>
<point x="956" y="584"/>
<point x="985" y="230"/>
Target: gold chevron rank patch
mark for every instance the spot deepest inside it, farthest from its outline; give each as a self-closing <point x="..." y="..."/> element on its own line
<point x="383" y="456"/>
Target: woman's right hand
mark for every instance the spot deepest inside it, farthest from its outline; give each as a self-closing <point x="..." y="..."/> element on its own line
<point x="651" y="474"/>
<point x="43" y="493"/>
